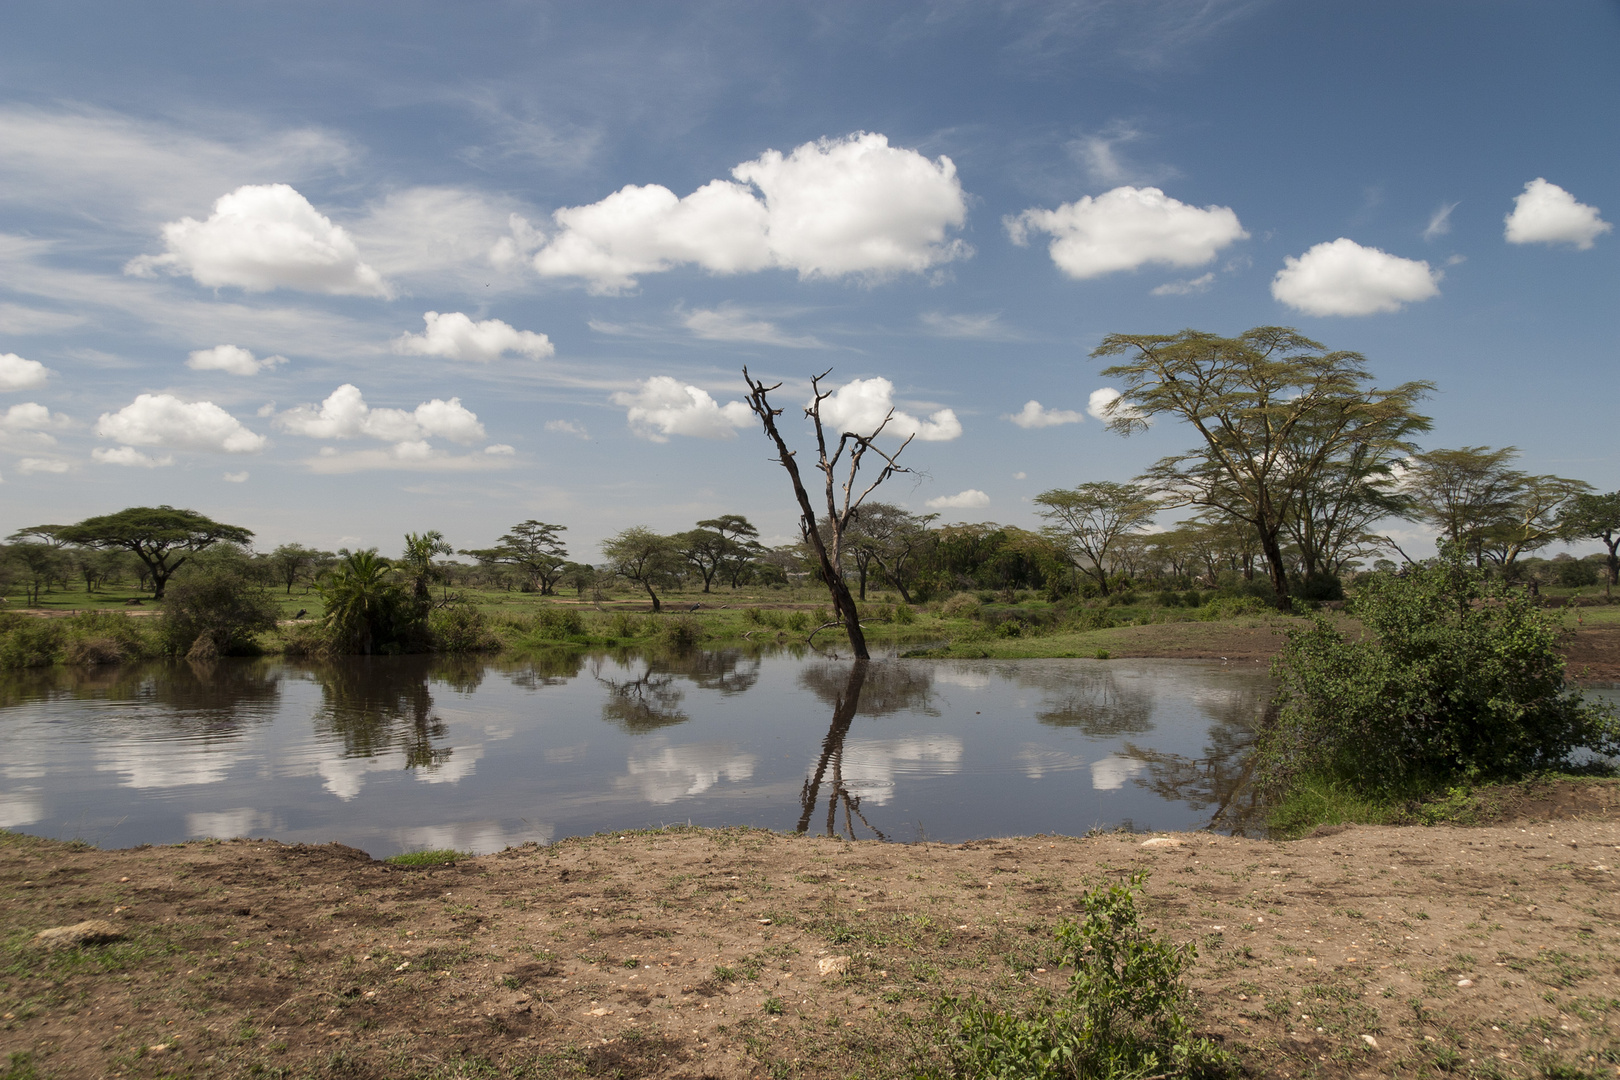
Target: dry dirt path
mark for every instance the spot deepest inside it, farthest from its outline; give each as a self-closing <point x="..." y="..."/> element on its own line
<point x="1367" y="951"/>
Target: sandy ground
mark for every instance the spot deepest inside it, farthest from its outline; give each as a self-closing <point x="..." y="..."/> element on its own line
<point x="1488" y="951"/>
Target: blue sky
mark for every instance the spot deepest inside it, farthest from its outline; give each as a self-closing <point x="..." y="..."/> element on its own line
<point x="223" y="228"/>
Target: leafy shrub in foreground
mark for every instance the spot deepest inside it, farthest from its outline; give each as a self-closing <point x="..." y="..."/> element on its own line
<point x="1125" y="1014"/>
<point x="1459" y="678"/>
<point x="89" y="638"/>
<point x="216" y="613"/>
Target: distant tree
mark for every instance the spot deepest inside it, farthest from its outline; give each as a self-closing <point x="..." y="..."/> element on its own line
<point x="532" y="548"/>
<point x="162" y="537"/>
<point x="743" y="545"/>
<point x="1596" y="517"/>
<point x="1090" y="520"/>
<point x="1532" y="520"/>
<point x="644" y="558"/>
<point x="840" y="510"/>
<point x="705" y="551"/>
<point x="893" y="538"/>
<point x="416" y="563"/>
<point x="1275" y="410"/>
<point x="581" y="576"/>
<point x="1477" y="501"/>
<point x="38" y="564"/>
<point x="290" y="562"/>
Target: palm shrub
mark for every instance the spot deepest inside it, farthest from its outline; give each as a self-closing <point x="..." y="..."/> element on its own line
<point x="367" y="610"/>
<point x="1457" y="679"/>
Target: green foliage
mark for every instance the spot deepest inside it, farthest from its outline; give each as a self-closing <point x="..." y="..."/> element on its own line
<point x="366" y="609"/>
<point x="1574" y="574"/>
<point x="797" y="620"/>
<point x="436" y="857"/>
<point x="216" y="613"/>
<point x="557" y="624"/>
<point x="961" y="606"/>
<point x="461" y="628"/>
<point x="156" y="535"/>
<point x="1458" y="679"/>
<point x="88" y="638"/>
<point x="903" y="615"/>
<point x="1125" y="1014"/>
<point x="681" y="631"/>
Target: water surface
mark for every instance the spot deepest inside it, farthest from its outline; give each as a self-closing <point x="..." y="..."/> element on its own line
<point x="402" y="753"/>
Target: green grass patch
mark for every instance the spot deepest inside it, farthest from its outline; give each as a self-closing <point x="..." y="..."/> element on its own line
<point x="436" y="857"/>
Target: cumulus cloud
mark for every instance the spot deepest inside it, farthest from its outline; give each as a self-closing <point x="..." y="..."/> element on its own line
<point x="128" y="455"/>
<point x="1344" y="278"/>
<point x="236" y="477"/>
<point x="1035" y="415"/>
<point x="30" y="465"/>
<point x="19" y="374"/>
<point x="664" y="406"/>
<point x="568" y="427"/>
<point x="830" y="209"/>
<point x="345" y="415"/>
<point x="31" y="416"/>
<point x="262" y="237"/>
<point x="231" y="359"/>
<point x="1099" y="401"/>
<point x="412" y="455"/>
<point x="1185" y="288"/>
<point x="731" y="324"/>
<point x="1126" y="228"/>
<point x="455" y="336"/>
<point x="1545" y="213"/>
<point x="165" y="420"/>
<point x="860" y="406"/>
<point x="971" y="499"/>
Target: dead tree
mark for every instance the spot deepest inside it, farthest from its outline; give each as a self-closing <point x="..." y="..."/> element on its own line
<point x="842" y="501"/>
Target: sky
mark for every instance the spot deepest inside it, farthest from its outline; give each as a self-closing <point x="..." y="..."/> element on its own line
<point x="336" y="272"/>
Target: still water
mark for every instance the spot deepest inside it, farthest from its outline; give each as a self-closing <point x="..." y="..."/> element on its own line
<point x="402" y="753"/>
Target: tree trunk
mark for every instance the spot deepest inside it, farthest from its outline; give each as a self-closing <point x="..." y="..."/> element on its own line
<point x="1279" y="572"/>
<point x="657" y="607"/>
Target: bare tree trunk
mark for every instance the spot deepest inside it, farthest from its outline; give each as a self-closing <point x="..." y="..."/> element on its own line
<point x="833" y="745"/>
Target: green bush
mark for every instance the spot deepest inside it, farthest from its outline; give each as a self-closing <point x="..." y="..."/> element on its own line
<point x="559" y="624"/>
<point x="797" y="620"/>
<point x="753" y="616"/>
<point x="1574" y="574"/>
<point x="1125" y="1013"/>
<point x="624" y="624"/>
<point x="1169" y="598"/>
<point x="1459" y="679"/>
<point x="88" y="638"/>
<point x="903" y="615"/>
<point x="961" y="606"/>
<point x="680" y="631"/>
<point x="1192" y="598"/>
<point x="1233" y="607"/>
<point x="217" y="612"/>
<point x="461" y="628"/>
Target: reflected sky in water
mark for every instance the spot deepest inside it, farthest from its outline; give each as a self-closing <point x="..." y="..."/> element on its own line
<point x="394" y="754"/>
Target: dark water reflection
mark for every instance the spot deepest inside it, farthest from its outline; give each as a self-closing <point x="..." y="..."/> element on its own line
<point x="390" y="754"/>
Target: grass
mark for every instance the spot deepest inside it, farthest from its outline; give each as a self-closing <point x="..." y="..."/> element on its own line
<point x="436" y="857"/>
<point x="1315" y="800"/>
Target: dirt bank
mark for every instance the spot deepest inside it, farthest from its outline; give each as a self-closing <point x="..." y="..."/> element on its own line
<point x="735" y="953"/>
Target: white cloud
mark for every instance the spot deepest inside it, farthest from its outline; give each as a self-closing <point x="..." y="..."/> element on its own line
<point x="128" y="455"/>
<point x="1126" y="228"/>
<point x="971" y="499"/>
<point x="236" y="477"/>
<point x="165" y="420"/>
<point x="16" y="319"/>
<point x="500" y="450"/>
<point x="1034" y="415"/>
<point x="1344" y="278"/>
<point x="568" y="427"/>
<point x="412" y="456"/>
<point x="860" y="406"/>
<point x="1545" y="213"/>
<point x="30" y="465"/>
<point x="1104" y="396"/>
<point x="669" y="773"/>
<point x="664" y="406"/>
<point x="1111" y="772"/>
<point x="19" y="374"/>
<point x="731" y="324"/>
<point x="983" y="327"/>
<point x="440" y="235"/>
<point x="1020" y="476"/>
<point x="31" y="416"/>
<point x="1440" y="221"/>
<point x="230" y="358"/>
<point x="262" y="237"/>
<point x="1185" y="288"/>
<point x="455" y="336"/>
<point x="345" y="415"/>
<point x="837" y="207"/>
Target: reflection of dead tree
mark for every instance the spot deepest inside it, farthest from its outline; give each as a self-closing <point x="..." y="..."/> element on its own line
<point x="651" y="700"/>
<point x="832" y="756"/>
<point x="840" y="513"/>
<point x="1220" y="780"/>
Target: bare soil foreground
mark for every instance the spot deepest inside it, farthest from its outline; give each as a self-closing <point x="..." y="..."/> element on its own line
<point x="1487" y="951"/>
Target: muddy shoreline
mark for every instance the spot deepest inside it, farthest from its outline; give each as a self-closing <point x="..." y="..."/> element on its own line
<point x="736" y="953"/>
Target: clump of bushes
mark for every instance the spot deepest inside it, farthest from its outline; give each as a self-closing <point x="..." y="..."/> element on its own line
<point x="1458" y="680"/>
<point x="88" y="638"/>
<point x="963" y="605"/>
<point x="1126" y="1013"/>
<point x="215" y="613"/>
<point x="461" y="628"/>
<point x="556" y="624"/>
<point x="680" y="631"/>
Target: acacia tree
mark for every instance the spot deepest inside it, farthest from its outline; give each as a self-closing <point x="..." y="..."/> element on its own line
<point x="1488" y="509"/>
<point x="162" y="537"/>
<point x="1275" y="409"/>
<point x="843" y="500"/>
<point x="893" y="537"/>
<point x="644" y="557"/>
<point x="705" y="550"/>
<point x="1596" y="517"/>
<point x="1088" y="521"/>
<point x="292" y="561"/>
<point x="742" y="544"/>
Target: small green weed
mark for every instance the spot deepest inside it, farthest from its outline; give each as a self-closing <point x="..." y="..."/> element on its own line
<point x="437" y="857"/>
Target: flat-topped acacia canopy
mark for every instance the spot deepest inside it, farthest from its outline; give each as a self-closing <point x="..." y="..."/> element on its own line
<point x="155" y="534"/>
